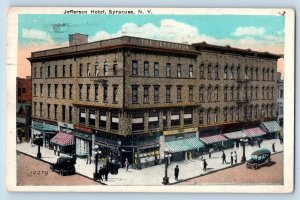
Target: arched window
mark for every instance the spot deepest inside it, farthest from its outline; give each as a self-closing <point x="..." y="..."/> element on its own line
<point x="225" y="114"/>
<point x="225" y="72"/>
<point x="208" y="116"/>
<point x="216" y="115"/>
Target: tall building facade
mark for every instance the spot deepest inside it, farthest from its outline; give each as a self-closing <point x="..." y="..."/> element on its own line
<point x="136" y="98"/>
<point x="280" y="99"/>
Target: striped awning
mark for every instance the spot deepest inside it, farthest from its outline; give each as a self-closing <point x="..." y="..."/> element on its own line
<point x="213" y="139"/>
<point x="184" y="145"/>
<point x="63" y="139"/>
<point x="254" y="132"/>
<point x="235" y="135"/>
<point x="271" y="126"/>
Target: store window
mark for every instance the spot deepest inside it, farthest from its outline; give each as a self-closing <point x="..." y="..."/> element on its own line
<point x="92" y="118"/>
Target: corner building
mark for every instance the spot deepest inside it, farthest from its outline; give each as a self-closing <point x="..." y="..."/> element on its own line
<point x="136" y="98"/>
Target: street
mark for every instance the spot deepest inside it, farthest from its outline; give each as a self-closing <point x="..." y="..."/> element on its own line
<point x="242" y="175"/>
<point x="31" y="171"/>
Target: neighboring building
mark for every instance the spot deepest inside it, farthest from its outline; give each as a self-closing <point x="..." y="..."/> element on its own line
<point x="136" y="98"/>
<point x="23" y="108"/>
<point x="280" y="100"/>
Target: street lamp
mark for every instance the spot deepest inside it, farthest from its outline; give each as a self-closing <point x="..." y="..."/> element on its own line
<point x="96" y="160"/>
<point x="166" y="156"/>
<point x="38" y="138"/>
<point x="243" y="141"/>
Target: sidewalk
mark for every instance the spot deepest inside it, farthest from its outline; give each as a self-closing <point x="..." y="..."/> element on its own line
<point x="154" y="175"/>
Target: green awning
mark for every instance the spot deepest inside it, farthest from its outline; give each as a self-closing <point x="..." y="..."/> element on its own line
<point x="272" y="126"/>
<point x="184" y="145"/>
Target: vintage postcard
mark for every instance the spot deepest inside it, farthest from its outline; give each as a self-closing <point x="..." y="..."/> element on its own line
<point x="150" y="100"/>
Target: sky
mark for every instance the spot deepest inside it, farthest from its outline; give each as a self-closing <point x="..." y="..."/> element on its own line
<point x="41" y="31"/>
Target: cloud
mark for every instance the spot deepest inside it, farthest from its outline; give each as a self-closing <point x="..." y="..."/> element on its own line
<point x="37" y="35"/>
<point x="249" y="30"/>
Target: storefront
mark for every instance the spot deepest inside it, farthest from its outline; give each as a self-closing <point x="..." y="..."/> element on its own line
<point x="83" y="141"/>
<point x="254" y="134"/>
<point x="47" y="131"/>
<point x="272" y="128"/>
<point x="215" y="142"/>
<point x="234" y="138"/>
<point x="64" y="142"/>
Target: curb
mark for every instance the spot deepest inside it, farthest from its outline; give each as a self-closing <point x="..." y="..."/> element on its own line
<point x="211" y="172"/>
<point x="51" y="163"/>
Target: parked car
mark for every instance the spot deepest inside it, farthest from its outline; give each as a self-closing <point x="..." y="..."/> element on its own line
<point x="259" y="158"/>
<point x="65" y="165"/>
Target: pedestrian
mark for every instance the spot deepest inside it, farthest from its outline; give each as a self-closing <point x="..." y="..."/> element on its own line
<point x="258" y="142"/>
<point x="273" y="147"/>
<point x="58" y="151"/>
<point x="235" y="157"/>
<point x="54" y="150"/>
<point x="204" y="165"/>
<point x="209" y="152"/>
<point x="126" y="164"/>
<point x="223" y="157"/>
<point x="231" y="158"/>
<point x="280" y="139"/>
<point x="87" y="159"/>
<point x="176" y="172"/>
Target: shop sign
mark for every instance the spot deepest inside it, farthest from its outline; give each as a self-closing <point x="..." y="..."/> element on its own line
<point x="65" y="125"/>
<point x="179" y="131"/>
<point x="83" y="135"/>
<point x="83" y="129"/>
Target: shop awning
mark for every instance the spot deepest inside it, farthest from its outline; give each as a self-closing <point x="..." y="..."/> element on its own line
<point x="63" y="139"/>
<point x="254" y="132"/>
<point x="234" y="135"/>
<point x="271" y="126"/>
<point x="213" y="139"/>
<point x="184" y="145"/>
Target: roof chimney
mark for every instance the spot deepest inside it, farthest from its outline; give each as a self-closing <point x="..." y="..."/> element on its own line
<point x="77" y="39"/>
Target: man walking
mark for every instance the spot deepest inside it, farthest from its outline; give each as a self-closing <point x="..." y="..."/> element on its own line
<point x="273" y="147"/>
<point x="126" y="164"/>
<point x="231" y="158"/>
<point x="223" y="158"/>
<point x="235" y="157"/>
<point x="204" y="165"/>
<point x="176" y="172"/>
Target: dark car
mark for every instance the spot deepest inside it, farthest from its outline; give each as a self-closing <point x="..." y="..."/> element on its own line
<point x="259" y="158"/>
<point x="65" y="165"/>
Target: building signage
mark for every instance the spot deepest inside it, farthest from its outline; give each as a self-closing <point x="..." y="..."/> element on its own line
<point x="83" y="129"/>
<point x="174" y="132"/>
<point x="83" y="135"/>
<point x="165" y="44"/>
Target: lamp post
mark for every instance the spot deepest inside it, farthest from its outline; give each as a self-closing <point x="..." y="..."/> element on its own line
<point x="39" y="155"/>
<point x="243" y="141"/>
<point x="96" y="160"/>
<point x="166" y="156"/>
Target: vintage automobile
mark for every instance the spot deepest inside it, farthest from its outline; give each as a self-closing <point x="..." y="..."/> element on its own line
<point x="259" y="158"/>
<point x="65" y="165"/>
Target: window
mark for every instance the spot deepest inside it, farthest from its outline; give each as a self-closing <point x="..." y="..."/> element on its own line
<point x="34" y="108"/>
<point x="49" y="90"/>
<point x="191" y="71"/>
<point x="188" y="117"/>
<point x="64" y="91"/>
<point x="82" y="116"/>
<point x="238" y="72"/>
<point x="256" y="92"/>
<point x="105" y="93"/>
<point x="225" y="72"/>
<point x="153" y="120"/>
<point x="71" y="70"/>
<point x="268" y="95"/>
<point x="251" y="92"/>
<point x="70" y="91"/>
<point x="191" y="93"/>
<point x="64" y="71"/>
<point x="41" y="72"/>
<point x="134" y="67"/>
<point x="80" y="69"/>
<point x="232" y="72"/>
<point x="114" y="125"/>
<point x="88" y="70"/>
<point x="55" y="111"/>
<point x="115" y="69"/>
<point x="137" y="121"/>
<point x="209" y="93"/>
<point x="80" y="91"/>
<point x="217" y="71"/>
<point x="102" y="119"/>
<point x="156" y="93"/>
<point x="272" y="75"/>
<point x="246" y="73"/>
<point x="146" y="94"/>
<point x="115" y="93"/>
<point x="134" y="93"/>
<point x="263" y="92"/>
<point x="34" y="89"/>
<point x="179" y="70"/>
<point x="256" y="72"/>
<point x="63" y="112"/>
<point x="48" y="71"/>
<point x="268" y="74"/>
<point x="156" y="69"/>
<point x="55" y="71"/>
<point x="251" y="73"/>
<point x="179" y="99"/>
<point x="175" y="118"/>
<point x="168" y="93"/>
<point x="168" y="69"/>
<point x="96" y="92"/>
<point x="209" y="71"/>
<point x="216" y="115"/>
<point x="232" y="93"/>
<point x="41" y="90"/>
<point x="225" y="93"/>
<point x="216" y="94"/>
<point x="263" y="74"/>
<point x="231" y="114"/>
<point x="225" y="114"/>
<point x="70" y="113"/>
<point x="48" y="110"/>
<point x="201" y="94"/>
<point x="88" y="87"/>
<point x="201" y="71"/>
<point x="96" y="69"/>
<point x="246" y="92"/>
<point x="105" y="69"/>
<point x="208" y="116"/>
<point x="146" y="68"/>
<point x="201" y="114"/>
<point x="41" y="109"/>
<point x="92" y="118"/>
<point x="34" y="72"/>
<point x="55" y="90"/>
<point x="165" y="120"/>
